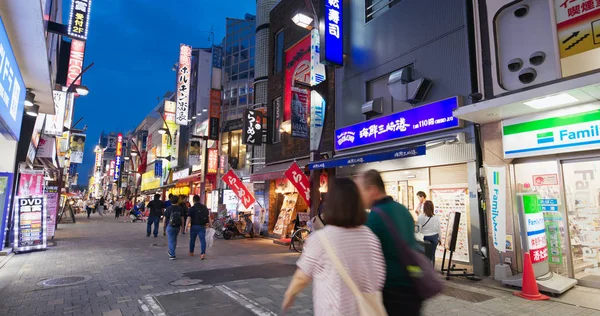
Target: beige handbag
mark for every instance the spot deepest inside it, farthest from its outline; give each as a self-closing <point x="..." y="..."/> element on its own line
<point x="369" y="304"/>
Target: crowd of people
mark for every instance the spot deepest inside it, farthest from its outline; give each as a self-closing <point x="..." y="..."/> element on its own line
<point x="356" y="259"/>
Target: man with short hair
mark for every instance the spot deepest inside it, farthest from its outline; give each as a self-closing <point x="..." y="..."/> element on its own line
<point x="198" y="220"/>
<point x="422" y="196"/>
<point x="399" y="295"/>
<point x="168" y="201"/>
<point x="156" y="207"/>
<point x="172" y="225"/>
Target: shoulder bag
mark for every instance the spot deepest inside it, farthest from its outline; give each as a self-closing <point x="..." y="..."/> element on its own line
<point x="369" y="304"/>
<point x="419" y="269"/>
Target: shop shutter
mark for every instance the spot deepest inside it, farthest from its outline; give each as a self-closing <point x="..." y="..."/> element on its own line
<point x="446" y="175"/>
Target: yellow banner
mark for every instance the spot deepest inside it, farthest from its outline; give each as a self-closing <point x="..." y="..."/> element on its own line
<point x="149" y="182"/>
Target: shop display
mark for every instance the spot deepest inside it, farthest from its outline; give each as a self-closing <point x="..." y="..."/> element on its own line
<point x="51" y="193"/>
<point x="391" y="189"/>
<point x="447" y="201"/>
<point x="30" y="228"/>
<point x="287" y="214"/>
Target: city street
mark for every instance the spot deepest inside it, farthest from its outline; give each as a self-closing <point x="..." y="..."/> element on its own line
<point x="122" y="272"/>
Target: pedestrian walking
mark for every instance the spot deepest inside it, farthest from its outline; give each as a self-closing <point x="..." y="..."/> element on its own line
<point x="399" y="295"/>
<point x="429" y="226"/>
<point x="88" y="207"/>
<point x="184" y="210"/>
<point x="118" y="207"/>
<point x="422" y="196"/>
<point x="198" y="220"/>
<point x="100" y="208"/>
<point x="345" y="240"/>
<point x="156" y="208"/>
<point x="128" y="206"/>
<point x="168" y="201"/>
<point x="172" y="225"/>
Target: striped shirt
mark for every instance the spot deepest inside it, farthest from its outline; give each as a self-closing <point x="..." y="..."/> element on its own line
<point x="359" y="251"/>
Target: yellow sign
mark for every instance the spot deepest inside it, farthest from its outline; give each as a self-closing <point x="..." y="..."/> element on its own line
<point x="577" y="25"/>
<point x="180" y="191"/>
<point x="149" y="182"/>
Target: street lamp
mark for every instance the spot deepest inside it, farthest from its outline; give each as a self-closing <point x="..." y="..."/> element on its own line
<point x="33" y="110"/>
<point x="134" y="153"/>
<point x="163" y="130"/>
<point x="303" y="20"/>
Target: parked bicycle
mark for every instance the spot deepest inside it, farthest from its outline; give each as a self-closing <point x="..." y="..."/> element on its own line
<point x="299" y="236"/>
<point x="218" y="225"/>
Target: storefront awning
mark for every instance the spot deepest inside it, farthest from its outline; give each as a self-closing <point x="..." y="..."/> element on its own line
<point x="369" y="157"/>
<point x="191" y="178"/>
<point x="548" y="96"/>
<point x="275" y="171"/>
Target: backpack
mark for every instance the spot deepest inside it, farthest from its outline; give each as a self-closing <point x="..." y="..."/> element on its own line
<point x="202" y="215"/>
<point x="175" y="218"/>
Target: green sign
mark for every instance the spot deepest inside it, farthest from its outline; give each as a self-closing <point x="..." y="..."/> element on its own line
<point x="530" y="203"/>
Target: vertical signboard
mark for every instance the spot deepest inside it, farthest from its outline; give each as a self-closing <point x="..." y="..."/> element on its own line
<point x="54" y="123"/>
<point x="79" y="19"/>
<point x="158" y="168"/>
<point x="253" y="130"/>
<point x="183" y="84"/>
<point x="30" y="223"/>
<point x="194" y="152"/>
<point x="51" y="193"/>
<point x="111" y="169"/>
<point x="317" y="119"/>
<point x="332" y="41"/>
<point x="169" y="143"/>
<point x="535" y="228"/>
<point x="12" y="89"/>
<point x="214" y="114"/>
<point x="35" y="138"/>
<point x="212" y="161"/>
<point x="77" y="146"/>
<point x="75" y="62"/>
<point x="297" y="69"/>
<point x="299" y="180"/>
<point x="497" y="188"/>
<point x="118" y="157"/>
<point x="317" y="73"/>
<point x="300" y="104"/>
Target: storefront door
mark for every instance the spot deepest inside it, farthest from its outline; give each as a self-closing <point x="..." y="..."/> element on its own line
<point x="582" y="198"/>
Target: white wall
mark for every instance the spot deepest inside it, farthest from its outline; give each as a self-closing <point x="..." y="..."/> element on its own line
<point x="9" y="153"/>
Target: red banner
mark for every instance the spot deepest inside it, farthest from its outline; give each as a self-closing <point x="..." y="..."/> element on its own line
<point x="213" y="161"/>
<point x="297" y="68"/>
<point x="75" y="61"/>
<point x="299" y="180"/>
<point x="239" y="189"/>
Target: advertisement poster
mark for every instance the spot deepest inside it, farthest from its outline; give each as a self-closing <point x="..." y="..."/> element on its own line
<point x="35" y="138"/>
<point x="31" y="182"/>
<point x="297" y="69"/>
<point x="552" y="221"/>
<point x="77" y="145"/>
<point x="30" y="230"/>
<point x="213" y="161"/>
<point x="286" y="213"/>
<point x="54" y="123"/>
<point x="240" y="190"/>
<point x="545" y="179"/>
<point x="446" y="202"/>
<point x="496" y="177"/>
<point x="51" y="207"/>
<point x="300" y="100"/>
<point x="195" y="152"/>
<point x="299" y="181"/>
<point x="536" y="228"/>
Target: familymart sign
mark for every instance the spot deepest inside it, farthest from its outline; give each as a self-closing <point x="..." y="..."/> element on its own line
<point x="551" y="133"/>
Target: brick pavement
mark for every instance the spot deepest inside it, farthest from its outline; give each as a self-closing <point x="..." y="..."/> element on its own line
<point x="130" y="275"/>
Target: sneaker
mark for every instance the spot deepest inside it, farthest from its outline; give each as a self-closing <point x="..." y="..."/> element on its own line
<point x="149" y="236"/>
<point x="202" y="257"/>
<point x="191" y="254"/>
<point x="170" y="256"/>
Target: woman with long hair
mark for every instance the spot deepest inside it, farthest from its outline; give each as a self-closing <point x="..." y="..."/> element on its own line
<point x="429" y="226"/>
<point x="353" y="244"/>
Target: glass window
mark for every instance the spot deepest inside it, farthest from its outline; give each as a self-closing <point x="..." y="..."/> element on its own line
<point x="278" y="62"/>
<point x="375" y="8"/>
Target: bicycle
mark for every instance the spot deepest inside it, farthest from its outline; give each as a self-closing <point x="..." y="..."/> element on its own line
<point x="218" y="225"/>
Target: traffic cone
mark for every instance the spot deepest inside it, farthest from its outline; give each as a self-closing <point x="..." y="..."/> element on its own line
<point x="530" y="289"/>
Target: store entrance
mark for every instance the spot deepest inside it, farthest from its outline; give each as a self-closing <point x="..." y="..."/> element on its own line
<point x="582" y="196"/>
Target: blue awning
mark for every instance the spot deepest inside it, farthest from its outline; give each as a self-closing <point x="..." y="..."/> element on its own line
<point x="370" y="157"/>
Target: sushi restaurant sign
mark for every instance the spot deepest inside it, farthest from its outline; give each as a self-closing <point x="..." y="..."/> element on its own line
<point x="552" y="133"/>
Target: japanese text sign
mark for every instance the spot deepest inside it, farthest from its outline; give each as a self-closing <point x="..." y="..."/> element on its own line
<point x="239" y="189"/>
<point x="12" y="89"/>
<point x="75" y="62"/>
<point x="183" y="84"/>
<point x="54" y="123"/>
<point x="253" y="129"/>
<point x="77" y="145"/>
<point x="217" y="57"/>
<point x="111" y="171"/>
<point x="433" y="117"/>
<point x="332" y="43"/>
<point x="30" y="223"/>
<point x="372" y="157"/>
<point x="118" y="157"/>
<point x="158" y="168"/>
<point x="79" y="19"/>
<point x="213" y="161"/>
<point x="299" y="180"/>
<point x="577" y="26"/>
<point x="214" y="114"/>
<point x="536" y="228"/>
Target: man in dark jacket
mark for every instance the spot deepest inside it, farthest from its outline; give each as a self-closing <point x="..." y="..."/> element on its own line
<point x="198" y="220"/>
<point x="156" y="207"/>
<point x="399" y="295"/>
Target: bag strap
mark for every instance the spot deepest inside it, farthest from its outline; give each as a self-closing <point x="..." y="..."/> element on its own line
<point x="401" y="245"/>
<point x="339" y="267"/>
<point x="425" y="222"/>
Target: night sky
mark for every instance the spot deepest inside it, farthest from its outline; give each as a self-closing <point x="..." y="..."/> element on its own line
<point x="134" y="44"/>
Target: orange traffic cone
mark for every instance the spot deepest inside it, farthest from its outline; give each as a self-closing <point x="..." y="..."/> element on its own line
<point x="530" y="289"/>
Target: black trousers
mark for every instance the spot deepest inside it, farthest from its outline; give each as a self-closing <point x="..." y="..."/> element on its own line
<point x="117" y="212"/>
<point x="89" y="211"/>
<point x="401" y="301"/>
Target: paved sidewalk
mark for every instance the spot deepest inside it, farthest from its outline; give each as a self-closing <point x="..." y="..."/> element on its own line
<point x="125" y="273"/>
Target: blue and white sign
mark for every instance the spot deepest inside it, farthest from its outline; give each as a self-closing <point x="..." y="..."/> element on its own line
<point x="389" y="155"/>
<point x="12" y="89"/>
<point x="332" y="40"/>
<point x="117" y="168"/>
<point x="158" y="168"/>
<point x="549" y="205"/>
<point x="425" y="119"/>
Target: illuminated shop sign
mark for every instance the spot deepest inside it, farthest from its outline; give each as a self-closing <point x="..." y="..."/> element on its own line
<point x="118" y="157"/>
<point x="433" y="117"/>
<point x="183" y="84"/>
<point x="12" y="89"/>
<point x="79" y="19"/>
<point x="30" y="223"/>
<point x="332" y="41"/>
<point x="354" y="160"/>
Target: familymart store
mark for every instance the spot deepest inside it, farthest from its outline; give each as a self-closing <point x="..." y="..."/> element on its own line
<point x="549" y="144"/>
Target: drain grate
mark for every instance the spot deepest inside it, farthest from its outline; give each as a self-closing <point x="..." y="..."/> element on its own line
<point x="65" y="281"/>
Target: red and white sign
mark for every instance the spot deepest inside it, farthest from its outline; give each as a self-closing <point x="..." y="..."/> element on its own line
<point x="545" y="179"/>
<point x="213" y="161"/>
<point x="299" y="181"/>
<point x="239" y="189"/>
<point x="111" y="172"/>
<point x="297" y="61"/>
<point x="75" y="61"/>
